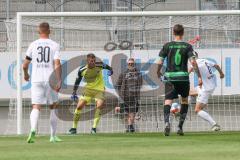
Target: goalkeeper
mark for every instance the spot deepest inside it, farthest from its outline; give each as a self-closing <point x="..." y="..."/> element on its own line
<point x="94" y="89"/>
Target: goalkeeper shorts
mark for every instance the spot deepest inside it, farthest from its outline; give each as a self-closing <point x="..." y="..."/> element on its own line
<point x="42" y="93"/>
<point x="91" y="94"/>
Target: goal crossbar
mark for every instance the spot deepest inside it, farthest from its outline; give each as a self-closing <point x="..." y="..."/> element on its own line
<point x="122" y="14"/>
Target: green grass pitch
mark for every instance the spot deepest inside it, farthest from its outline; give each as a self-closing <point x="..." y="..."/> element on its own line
<point x="140" y="146"/>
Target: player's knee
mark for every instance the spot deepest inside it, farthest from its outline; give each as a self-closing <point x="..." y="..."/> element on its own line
<point x="36" y="106"/>
<point x="81" y="104"/>
<point x="131" y="117"/>
<point x="197" y="110"/>
<point x="198" y="107"/>
<point x="168" y="102"/>
<point x="184" y="100"/>
<point x="53" y="106"/>
<point x="100" y="104"/>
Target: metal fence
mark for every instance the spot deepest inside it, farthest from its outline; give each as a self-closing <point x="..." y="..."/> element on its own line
<point x="8" y="8"/>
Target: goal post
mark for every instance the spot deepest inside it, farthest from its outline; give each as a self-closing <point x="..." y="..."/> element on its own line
<point x="19" y="74"/>
<point x="21" y="15"/>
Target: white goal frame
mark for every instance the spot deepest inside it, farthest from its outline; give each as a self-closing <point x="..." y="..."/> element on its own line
<point x="20" y="15"/>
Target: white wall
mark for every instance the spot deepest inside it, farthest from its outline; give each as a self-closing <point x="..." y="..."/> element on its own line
<point x="229" y="59"/>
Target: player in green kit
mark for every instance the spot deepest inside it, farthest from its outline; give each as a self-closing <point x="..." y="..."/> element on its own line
<point x="176" y="75"/>
<point x="94" y="89"/>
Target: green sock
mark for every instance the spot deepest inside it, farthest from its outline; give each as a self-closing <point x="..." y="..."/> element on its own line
<point x="76" y="117"/>
<point x="97" y="117"/>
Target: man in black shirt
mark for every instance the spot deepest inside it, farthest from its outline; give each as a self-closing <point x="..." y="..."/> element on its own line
<point x="176" y="75"/>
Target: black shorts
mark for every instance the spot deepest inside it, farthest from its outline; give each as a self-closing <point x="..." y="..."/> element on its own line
<point x="130" y="105"/>
<point x="175" y="88"/>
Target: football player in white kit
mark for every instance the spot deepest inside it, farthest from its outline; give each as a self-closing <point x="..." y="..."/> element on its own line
<point x="44" y="55"/>
<point x="209" y="84"/>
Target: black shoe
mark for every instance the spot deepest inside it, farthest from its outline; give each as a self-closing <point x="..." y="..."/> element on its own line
<point x="132" y="130"/>
<point x="73" y="131"/>
<point x="93" y="131"/>
<point x="180" y="132"/>
<point x="167" y="130"/>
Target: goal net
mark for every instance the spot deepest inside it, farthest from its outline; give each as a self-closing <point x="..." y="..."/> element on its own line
<point x="113" y="38"/>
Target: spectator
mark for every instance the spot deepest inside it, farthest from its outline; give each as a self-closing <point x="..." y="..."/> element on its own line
<point x="128" y="86"/>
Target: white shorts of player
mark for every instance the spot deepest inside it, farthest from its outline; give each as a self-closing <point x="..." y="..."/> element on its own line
<point x="42" y="93"/>
<point x="203" y="95"/>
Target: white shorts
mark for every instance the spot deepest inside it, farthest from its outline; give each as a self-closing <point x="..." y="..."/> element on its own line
<point x="203" y="96"/>
<point x="42" y="93"/>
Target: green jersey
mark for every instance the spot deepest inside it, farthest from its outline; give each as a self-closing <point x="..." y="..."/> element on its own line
<point x="177" y="54"/>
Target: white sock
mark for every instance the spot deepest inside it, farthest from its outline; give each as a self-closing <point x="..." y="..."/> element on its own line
<point x="34" y="119"/>
<point x="53" y="122"/>
<point x="204" y="115"/>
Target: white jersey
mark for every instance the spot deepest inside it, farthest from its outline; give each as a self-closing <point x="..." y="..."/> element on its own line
<point x="43" y="52"/>
<point x="208" y="77"/>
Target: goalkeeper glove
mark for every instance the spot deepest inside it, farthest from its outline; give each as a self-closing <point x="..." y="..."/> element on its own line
<point x="74" y="97"/>
<point x="110" y="72"/>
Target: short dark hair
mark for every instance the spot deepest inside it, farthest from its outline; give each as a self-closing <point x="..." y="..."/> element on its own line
<point x="91" y="55"/>
<point x="178" y="30"/>
<point x="44" y="27"/>
<point x="131" y="59"/>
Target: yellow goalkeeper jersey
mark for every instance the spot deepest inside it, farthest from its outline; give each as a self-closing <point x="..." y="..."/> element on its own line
<point x="92" y="76"/>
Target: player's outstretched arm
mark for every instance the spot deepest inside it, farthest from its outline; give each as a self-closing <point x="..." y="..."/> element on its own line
<point x="140" y="80"/>
<point x="105" y="66"/>
<point x="160" y="64"/>
<point x="190" y="70"/>
<point x="74" y="96"/>
<point x="162" y="55"/>
<point x="26" y="63"/>
<point x="139" y="84"/>
<point x="58" y="70"/>
<point x="196" y="70"/>
<point x="77" y="82"/>
<point x="118" y="86"/>
<point x="219" y="70"/>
